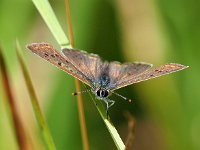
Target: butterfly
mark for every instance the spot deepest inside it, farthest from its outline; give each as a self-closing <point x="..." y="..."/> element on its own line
<point x="103" y="77"/>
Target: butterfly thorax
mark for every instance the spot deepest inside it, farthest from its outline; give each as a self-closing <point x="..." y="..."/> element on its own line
<point x="101" y="86"/>
<point x="103" y="80"/>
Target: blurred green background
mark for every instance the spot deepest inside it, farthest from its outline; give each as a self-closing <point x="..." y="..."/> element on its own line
<point x="167" y="109"/>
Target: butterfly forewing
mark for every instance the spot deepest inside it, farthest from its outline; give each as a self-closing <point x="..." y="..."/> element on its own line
<point x="50" y="54"/>
<point x="150" y="74"/>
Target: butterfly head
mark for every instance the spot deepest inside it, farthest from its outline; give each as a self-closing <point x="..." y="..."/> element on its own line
<point x="102" y="93"/>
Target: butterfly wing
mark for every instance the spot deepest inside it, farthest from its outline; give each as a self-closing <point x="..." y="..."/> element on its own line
<point x="89" y="64"/>
<point x="150" y="74"/>
<point x="120" y="72"/>
<point x="49" y="53"/>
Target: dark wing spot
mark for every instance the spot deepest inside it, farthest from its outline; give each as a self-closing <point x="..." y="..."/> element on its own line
<point x="151" y="75"/>
<point x="159" y="71"/>
<point x="56" y="55"/>
<point x="59" y="63"/>
<point x="53" y="56"/>
<point x="45" y="54"/>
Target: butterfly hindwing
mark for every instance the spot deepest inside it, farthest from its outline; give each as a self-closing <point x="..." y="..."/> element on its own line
<point x="49" y="53"/>
<point x="119" y="72"/>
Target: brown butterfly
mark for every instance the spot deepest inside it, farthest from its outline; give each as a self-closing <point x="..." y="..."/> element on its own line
<point x="103" y="77"/>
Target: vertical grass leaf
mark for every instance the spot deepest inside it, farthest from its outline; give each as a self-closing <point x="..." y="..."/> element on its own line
<point x="34" y="100"/>
<point x="50" y="19"/>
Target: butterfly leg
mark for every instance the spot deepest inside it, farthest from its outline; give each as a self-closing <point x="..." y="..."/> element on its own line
<point x="109" y="103"/>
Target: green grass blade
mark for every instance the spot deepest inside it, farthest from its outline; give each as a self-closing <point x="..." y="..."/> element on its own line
<point x="112" y="130"/>
<point x="115" y="136"/>
<point x="17" y="123"/>
<point x="48" y="15"/>
<point x="50" y="19"/>
<point x="36" y="108"/>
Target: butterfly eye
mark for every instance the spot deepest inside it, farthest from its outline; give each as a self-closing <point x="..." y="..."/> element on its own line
<point x="98" y="92"/>
<point x="104" y="93"/>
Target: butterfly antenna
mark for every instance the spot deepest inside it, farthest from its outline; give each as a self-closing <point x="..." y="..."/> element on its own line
<point x="80" y="92"/>
<point x="125" y="98"/>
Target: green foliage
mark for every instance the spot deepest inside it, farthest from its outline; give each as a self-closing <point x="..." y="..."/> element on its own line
<point x="167" y="109"/>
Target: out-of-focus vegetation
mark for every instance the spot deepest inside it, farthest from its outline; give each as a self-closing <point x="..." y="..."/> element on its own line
<point x="166" y="109"/>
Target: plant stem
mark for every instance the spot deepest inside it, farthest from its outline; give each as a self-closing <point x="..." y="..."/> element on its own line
<point x="82" y="117"/>
<point x="18" y="126"/>
<point x="77" y="84"/>
<point x="35" y="104"/>
<point x="49" y="17"/>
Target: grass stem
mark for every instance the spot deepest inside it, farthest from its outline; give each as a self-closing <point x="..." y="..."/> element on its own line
<point x="35" y="104"/>
<point x="77" y="84"/>
<point x="18" y="126"/>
